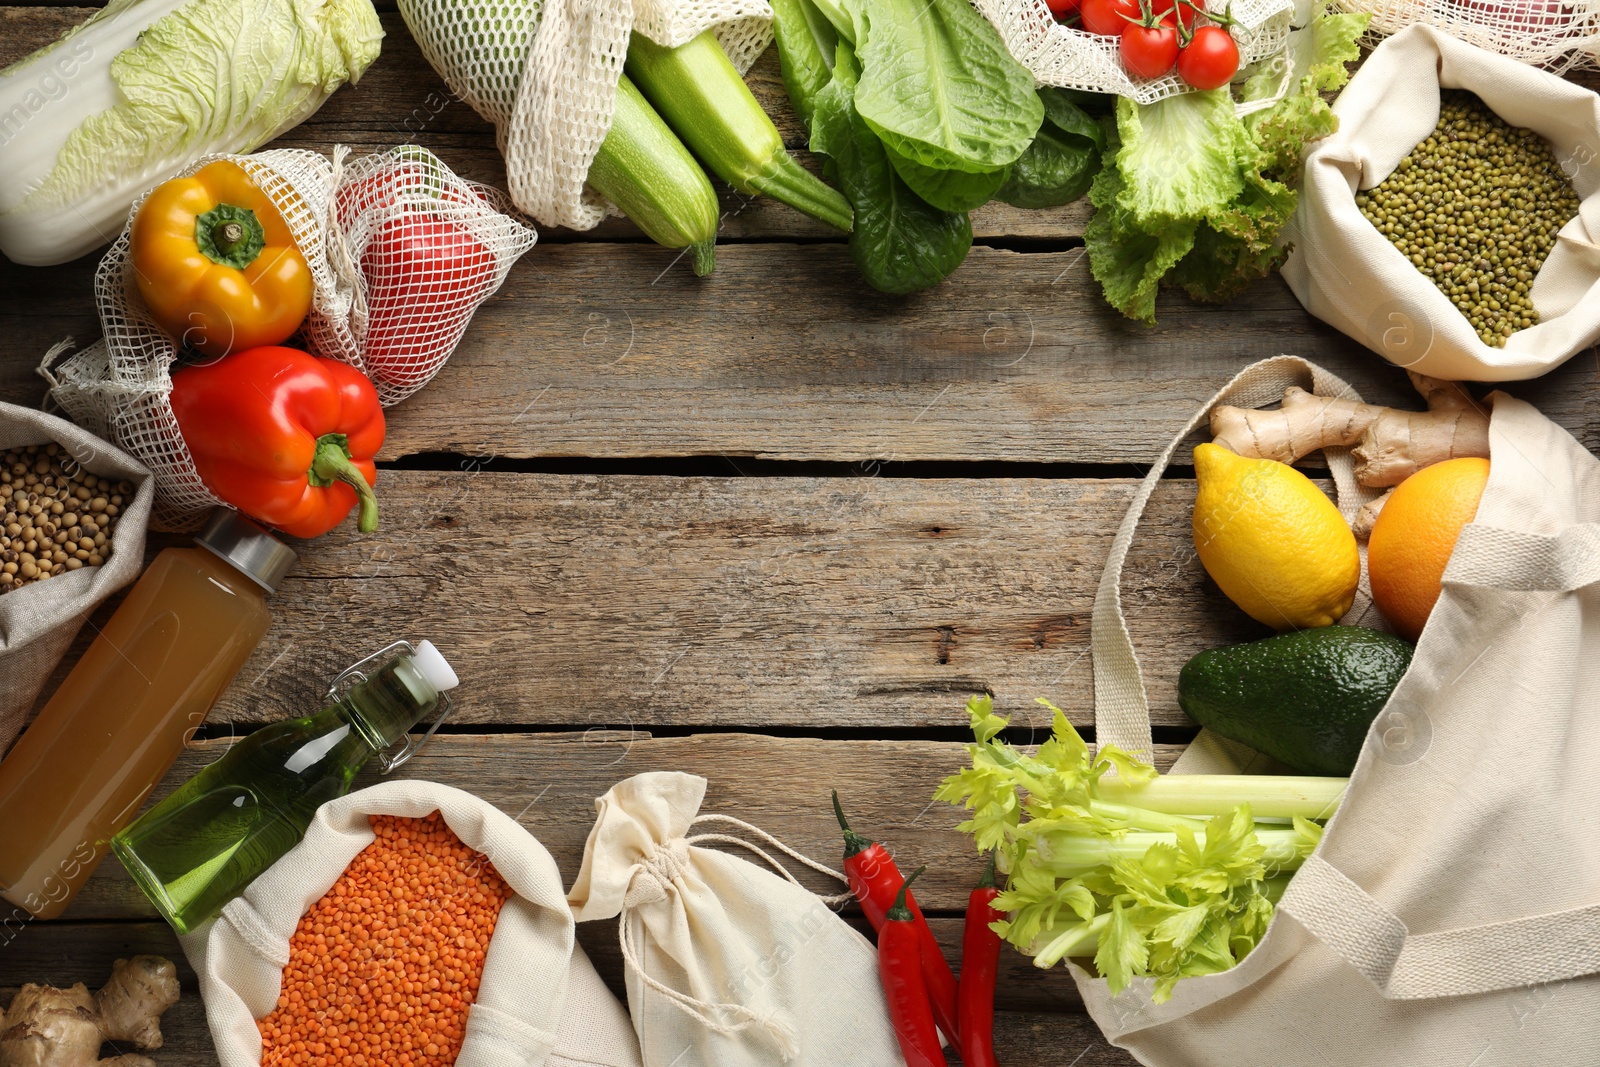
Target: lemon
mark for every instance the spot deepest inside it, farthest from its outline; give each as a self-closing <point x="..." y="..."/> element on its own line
<point x="1272" y="540"/>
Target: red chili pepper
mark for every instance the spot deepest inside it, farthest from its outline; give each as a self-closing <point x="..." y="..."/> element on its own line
<point x="875" y="879"/>
<point x="900" y="955"/>
<point x="980" y="965"/>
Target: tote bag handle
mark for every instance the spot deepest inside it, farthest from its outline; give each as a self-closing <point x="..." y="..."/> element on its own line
<point x="1121" y="706"/>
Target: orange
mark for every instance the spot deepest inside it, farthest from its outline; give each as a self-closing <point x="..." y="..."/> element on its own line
<point x="1415" y="533"/>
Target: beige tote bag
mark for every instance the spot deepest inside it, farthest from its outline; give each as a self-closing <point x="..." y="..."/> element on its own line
<point x="1348" y="274"/>
<point x="1451" y="914"/>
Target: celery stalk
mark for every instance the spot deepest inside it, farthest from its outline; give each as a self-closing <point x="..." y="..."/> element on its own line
<point x="703" y="98"/>
<point x="1067" y="855"/>
<point x="1269" y="796"/>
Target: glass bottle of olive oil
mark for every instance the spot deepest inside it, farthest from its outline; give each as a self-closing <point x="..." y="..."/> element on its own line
<point x="200" y="847"/>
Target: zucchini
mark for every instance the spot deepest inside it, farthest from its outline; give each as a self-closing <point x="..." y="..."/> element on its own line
<point x="703" y="98"/>
<point x="646" y="171"/>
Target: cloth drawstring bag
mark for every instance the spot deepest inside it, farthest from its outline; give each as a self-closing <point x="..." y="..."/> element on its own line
<point x="539" y="1001"/>
<point x="1451" y="913"/>
<point x="727" y="964"/>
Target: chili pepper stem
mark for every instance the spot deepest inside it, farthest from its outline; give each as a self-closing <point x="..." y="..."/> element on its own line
<point x="900" y="913"/>
<point x="854" y="843"/>
<point x="332" y="463"/>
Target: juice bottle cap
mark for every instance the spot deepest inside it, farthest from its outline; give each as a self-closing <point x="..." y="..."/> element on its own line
<point x="433" y="667"/>
<point x="247" y="547"/>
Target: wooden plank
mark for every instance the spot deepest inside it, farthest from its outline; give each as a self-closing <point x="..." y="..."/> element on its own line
<point x="549" y="782"/>
<point x="857" y="603"/>
<point x="591" y="350"/>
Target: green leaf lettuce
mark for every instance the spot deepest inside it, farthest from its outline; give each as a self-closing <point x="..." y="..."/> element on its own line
<point x="1194" y="195"/>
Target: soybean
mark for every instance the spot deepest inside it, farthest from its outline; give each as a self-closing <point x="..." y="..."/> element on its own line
<point x="50" y="524"/>
<point x="1476" y="207"/>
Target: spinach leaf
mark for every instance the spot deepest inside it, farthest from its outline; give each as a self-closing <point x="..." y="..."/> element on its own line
<point x="1062" y="160"/>
<point x="949" y="190"/>
<point x="900" y="243"/>
<point x="938" y="86"/>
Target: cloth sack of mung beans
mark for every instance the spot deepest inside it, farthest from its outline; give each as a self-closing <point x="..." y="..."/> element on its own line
<point x="1356" y="277"/>
<point x="538" y="1001"/>
<point x="727" y="963"/>
<point x="39" y="617"/>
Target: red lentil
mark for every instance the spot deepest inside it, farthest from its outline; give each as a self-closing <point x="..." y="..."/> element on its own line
<point x="383" y="969"/>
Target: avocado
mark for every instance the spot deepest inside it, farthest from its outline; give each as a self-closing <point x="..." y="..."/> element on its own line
<point x="1304" y="698"/>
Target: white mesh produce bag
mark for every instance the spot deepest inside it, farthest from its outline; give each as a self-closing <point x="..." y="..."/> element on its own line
<point x="378" y="306"/>
<point x="1066" y="56"/>
<point x="545" y="73"/>
<point x="423" y="248"/>
<point x="1560" y="35"/>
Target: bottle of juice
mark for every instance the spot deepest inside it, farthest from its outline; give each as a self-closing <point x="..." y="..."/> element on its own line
<point x="200" y="847"/>
<point x="79" y="773"/>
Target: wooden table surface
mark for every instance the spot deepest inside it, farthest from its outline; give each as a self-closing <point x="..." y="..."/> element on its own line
<point x="768" y="526"/>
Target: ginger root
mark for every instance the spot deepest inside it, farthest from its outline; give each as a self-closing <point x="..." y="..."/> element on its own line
<point x="1389" y="445"/>
<point x="1367" y="517"/>
<point x="50" y="1027"/>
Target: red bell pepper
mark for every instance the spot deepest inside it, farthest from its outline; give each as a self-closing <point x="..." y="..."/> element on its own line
<point x="875" y="880"/>
<point x="285" y="437"/>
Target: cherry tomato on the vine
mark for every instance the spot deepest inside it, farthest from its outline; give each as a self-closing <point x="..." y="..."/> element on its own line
<point x="1108" y="17"/>
<point x="1210" y="59"/>
<point x="1172" y="12"/>
<point x="1062" y="8"/>
<point x="1149" y="51"/>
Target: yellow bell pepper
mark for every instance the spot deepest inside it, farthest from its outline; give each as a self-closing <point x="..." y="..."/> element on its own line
<point x="216" y="263"/>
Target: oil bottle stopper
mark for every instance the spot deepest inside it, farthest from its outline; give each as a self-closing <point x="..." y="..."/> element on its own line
<point x="432" y="665"/>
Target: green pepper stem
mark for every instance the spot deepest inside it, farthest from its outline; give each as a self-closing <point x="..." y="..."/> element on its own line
<point x="901" y="912"/>
<point x="854" y="843"/>
<point x="332" y="463"/>
<point x="230" y="236"/>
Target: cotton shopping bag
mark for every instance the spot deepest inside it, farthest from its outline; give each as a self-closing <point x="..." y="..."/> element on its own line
<point x="728" y="965"/>
<point x="539" y="1001"/>
<point x="38" y="621"/>
<point x="1451" y="913"/>
<point x="1348" y="274"/>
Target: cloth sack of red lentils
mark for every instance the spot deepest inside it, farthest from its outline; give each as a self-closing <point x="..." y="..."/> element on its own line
<point x="39" y="618"/>
<point x="727" y="964"/>
<point x="414" y="924"/>
<point x="1352" y="276"/>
